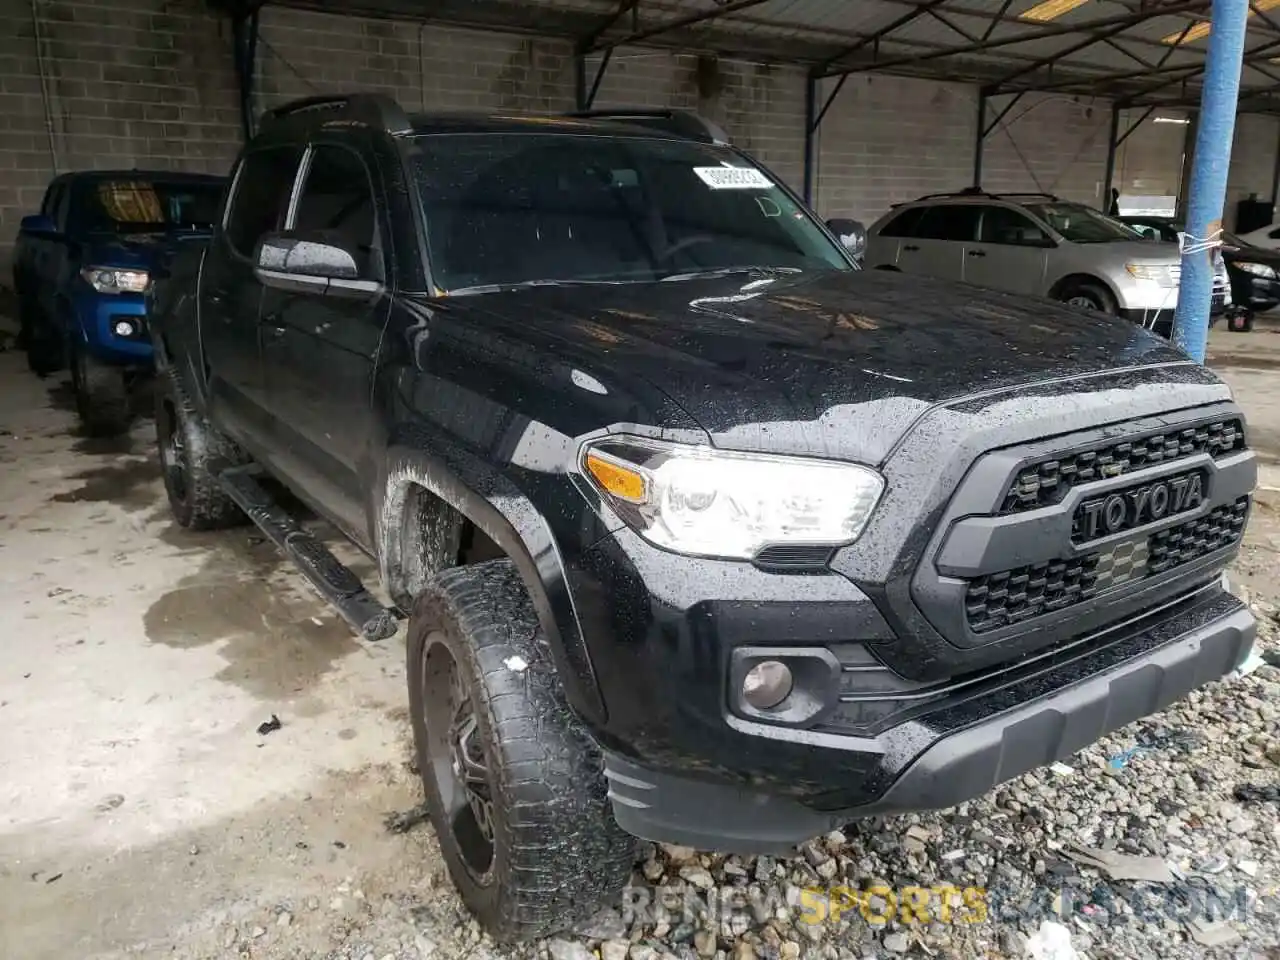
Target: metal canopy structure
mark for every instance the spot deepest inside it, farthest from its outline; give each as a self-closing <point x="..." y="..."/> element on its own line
<point x="1140" y="55"/>
<point x="1137" y="53"/>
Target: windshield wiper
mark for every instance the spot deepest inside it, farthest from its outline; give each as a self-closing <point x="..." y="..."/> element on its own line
<point x="524" y="284"/>
<point x="728" y="271"/>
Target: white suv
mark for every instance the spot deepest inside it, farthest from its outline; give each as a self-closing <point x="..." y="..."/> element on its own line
<point x="1036" y="244"/>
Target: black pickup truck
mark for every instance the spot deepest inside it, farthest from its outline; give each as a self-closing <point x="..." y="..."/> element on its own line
<point x="703" y="535"/>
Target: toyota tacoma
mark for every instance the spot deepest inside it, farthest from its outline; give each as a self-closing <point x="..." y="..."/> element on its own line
<point x="702" y="534"/>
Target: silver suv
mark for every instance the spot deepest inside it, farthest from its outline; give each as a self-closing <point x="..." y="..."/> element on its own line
<point x="1037" y="244"/>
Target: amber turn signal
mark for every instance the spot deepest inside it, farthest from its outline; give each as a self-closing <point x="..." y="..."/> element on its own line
<point x="622" y="482"/>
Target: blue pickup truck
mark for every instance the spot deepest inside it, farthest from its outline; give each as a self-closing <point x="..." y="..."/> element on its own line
<point x="82" y="267"/>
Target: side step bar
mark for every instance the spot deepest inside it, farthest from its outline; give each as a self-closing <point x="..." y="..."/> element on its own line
<point x="335" y="582"/>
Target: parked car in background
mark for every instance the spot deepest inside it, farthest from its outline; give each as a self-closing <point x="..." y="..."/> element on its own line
<point x="81" y="269"/>
<point x="1251" y="271"/>
<point x="1033" y="243"/>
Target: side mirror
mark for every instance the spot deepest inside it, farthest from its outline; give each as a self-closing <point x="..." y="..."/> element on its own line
<point x="38" y="225"/>
<point x="303" y="264"/>
<point x="851" y="234"/>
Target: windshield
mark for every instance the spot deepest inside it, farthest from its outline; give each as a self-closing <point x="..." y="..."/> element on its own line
<point x="148" y="206"/>
<point x="503" y="209"/>
<point x="1080" y="224"/>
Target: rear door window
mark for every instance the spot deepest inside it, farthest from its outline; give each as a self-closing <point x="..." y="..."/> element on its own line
<point x="1005" y="226"/>
<point x="904" y="224"/>
<point x="957" y="222"/>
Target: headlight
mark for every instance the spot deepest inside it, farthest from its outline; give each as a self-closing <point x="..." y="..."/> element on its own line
<point x="111" y="280"/>
<point x="1258" y="270"/>
<point x="712" y="503"/>
<point x="1147" y="271"/>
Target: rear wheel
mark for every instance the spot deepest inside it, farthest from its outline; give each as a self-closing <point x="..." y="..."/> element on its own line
<point x="101" y="392"/>
<point x="40" y="341"/>
<point x="514" y="784"/>
<point x="190" y="454"/>
<point x="1088" y="295"/>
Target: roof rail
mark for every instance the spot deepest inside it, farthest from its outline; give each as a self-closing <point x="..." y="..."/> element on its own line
<point x="979" y="192"/>
<point x="375" y="109"/>
<point x="684" y="122"/>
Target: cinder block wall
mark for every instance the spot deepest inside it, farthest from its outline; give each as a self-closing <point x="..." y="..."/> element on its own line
<point x="149" y="83"/>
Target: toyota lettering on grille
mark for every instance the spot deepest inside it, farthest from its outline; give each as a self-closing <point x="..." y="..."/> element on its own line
<point x="1138" y="506"/>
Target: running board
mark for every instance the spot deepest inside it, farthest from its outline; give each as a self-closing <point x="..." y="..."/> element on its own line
<point x="334" y="581"/>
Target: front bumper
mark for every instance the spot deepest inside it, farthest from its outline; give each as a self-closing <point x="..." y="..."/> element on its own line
<point x="1160" y="321"/>
<point x="98" y="315"/>
<point x="1025" y="720"/>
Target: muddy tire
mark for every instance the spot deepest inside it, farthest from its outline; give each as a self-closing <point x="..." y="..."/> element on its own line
<point x="1088" y="295"/>
<point x="514" y="784"/>
<point x="191" y="454"/>
<point x="101" y="392"/>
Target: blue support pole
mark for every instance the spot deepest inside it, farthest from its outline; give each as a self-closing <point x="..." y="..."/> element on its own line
<point x="1209" y="172"/>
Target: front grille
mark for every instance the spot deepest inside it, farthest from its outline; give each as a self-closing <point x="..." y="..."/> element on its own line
<point x="1012" y="596"/>
<point x="1185" y="542"/>
<point x="1025" y="592"/>
<point x="1045" y="483"/>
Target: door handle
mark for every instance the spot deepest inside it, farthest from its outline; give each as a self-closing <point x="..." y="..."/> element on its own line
<point x="909" y="248"/>
<point x="275" y="331"/>
<point x="976" y="253"/>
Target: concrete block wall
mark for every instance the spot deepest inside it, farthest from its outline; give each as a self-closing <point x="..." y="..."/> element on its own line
<point x="887" y="140"/>
<point x="425" y="66"/>
<point x="1049" y="144"/>
<point x="890" y="139"/>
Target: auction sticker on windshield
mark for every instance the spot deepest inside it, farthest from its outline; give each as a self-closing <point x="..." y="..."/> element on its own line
<point x="733" y="178"/>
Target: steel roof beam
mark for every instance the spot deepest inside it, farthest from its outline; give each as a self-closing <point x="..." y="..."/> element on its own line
<point x="1097" y="30"/>
<point x="679" y="23"/>
<point x="1263" y="51"/>
<point x="874" y="38"/>
<point x="607" y="23"/>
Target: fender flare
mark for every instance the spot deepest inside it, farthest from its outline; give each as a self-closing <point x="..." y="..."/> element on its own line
<point x="507" y="517"/>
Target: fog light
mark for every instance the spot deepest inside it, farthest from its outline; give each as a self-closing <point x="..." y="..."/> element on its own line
<point x="124" y="328"/>
<point x="767" y="684"/>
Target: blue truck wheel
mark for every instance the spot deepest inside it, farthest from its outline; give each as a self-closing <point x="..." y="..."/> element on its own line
<point x="102" y="394"/>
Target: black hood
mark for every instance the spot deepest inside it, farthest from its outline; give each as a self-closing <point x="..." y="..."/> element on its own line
<point x="835" y="364"/>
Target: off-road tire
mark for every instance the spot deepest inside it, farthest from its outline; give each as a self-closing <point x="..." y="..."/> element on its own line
<point x="1098" y="297"/>
<point x="190" y="464"/>
<point x="557" y="853"/>
<point x="101" y="393"/>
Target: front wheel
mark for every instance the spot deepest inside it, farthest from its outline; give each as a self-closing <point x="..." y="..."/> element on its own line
<point x="101" y="392"/>
<point x="1088" y="296"/>
<point x="514" y="784"/>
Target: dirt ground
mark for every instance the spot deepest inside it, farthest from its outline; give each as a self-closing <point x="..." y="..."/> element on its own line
<point x="141" y="811"/>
